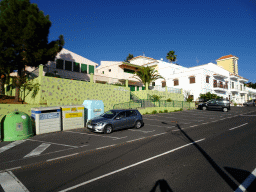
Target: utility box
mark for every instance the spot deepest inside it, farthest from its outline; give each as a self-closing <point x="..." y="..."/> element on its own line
<point x="93" y="108"/>
<point x="46" y="119"/>
<point x="72" y="117"/>
<point x="17" y="126"/>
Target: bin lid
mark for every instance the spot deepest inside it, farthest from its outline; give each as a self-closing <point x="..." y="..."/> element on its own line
<point x="44" y="108"/>
<point x="91" y="103"/>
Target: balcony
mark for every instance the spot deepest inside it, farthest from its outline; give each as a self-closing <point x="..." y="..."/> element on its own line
<point x="233" y="89"/>
<point x="242" y="79"/>
<point x="219" y="76"/>
<point x="232" y="76"/>
<point x="220" y="87"/>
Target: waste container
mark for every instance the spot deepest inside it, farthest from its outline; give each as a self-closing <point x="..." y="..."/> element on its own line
<point x="93" y="108"/>
<point x="17" y="125"/>
<point x="72" y="117"/>
<point x="47" y="119"/>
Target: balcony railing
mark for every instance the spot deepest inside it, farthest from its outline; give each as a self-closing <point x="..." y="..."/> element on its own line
<point x="219" y="85"/>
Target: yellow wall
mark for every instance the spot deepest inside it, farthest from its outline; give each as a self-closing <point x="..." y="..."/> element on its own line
<point x="228" y="65"/>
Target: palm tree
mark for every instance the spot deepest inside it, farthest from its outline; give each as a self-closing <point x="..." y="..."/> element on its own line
<point x="171" y="57"/>
<point x="147" y="75"/>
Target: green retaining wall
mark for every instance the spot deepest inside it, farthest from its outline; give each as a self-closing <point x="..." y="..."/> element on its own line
<point x="143" y="94"/>
<point x="56" y="91"/>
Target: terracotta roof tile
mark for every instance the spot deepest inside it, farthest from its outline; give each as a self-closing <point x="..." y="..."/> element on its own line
<point x="226" y="56"/>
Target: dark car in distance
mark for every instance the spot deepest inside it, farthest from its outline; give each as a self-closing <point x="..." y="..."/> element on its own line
<point x="114" y="120"/>
<point x="251" y="102"/>
<point x="215" y="104"/>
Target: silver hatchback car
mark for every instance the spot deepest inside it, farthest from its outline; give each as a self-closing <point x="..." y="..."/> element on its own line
<point x="114" y="120"/>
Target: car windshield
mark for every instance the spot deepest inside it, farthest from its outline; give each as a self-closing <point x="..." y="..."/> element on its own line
<point x="109" y="114"/>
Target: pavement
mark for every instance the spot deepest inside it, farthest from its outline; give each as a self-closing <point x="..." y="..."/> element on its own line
<point x="45" y="147"/>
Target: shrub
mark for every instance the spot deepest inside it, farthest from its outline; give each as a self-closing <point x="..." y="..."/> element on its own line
<point x="169" y="100"/>
<point x="154" y="112"/>
<point x="146" y="113"/>
<point x="181" y="109"/>
<point x="235" y="104"/>
<point x="156" y="97"/>
<point x="160" y="111"/>
<point x="165" y="111"/>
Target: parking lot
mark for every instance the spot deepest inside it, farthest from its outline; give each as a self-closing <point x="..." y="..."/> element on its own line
<point x="154" y="125"/>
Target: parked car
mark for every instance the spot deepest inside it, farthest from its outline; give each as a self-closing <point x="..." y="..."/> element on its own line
<point x="215" y="104"/>
<point x="114" y="120"/>
<point x="250" y="103"/>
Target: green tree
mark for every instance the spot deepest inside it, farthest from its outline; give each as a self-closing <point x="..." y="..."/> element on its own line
<point x="147" y="75"/>
<point x="208" y="96"/>
<point x="171" y="57"/>
<point x="252" y="85"/>
<point x="24" y="37"/>
<point x="129" y="57"/>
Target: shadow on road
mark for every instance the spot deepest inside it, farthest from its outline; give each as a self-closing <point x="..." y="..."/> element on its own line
<point x="163" y="185"/>
<point x="224" y="176"/>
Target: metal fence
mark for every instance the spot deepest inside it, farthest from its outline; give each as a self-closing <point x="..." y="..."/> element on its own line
<point x="144" y="103"/>
<point x="169" y="89"/>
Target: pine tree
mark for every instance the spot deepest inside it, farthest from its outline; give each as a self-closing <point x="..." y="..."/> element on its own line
<point x="24" y="37"/>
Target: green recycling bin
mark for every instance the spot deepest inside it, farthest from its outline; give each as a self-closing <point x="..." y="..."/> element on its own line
<point x="17" y="126"/>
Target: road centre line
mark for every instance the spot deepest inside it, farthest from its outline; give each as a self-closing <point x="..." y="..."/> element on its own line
<point x="247" y="182"/>
<point x="9" y="182"/>
<point x="127" y="167"/>
<point x="238" y="126"/>
<point x="158" y="134"/>
<point x="193" y="126"/>
<point x="161" y="126"/>
<point x="134" y="140"/>
<point x="141" y="131"/>
<point x="106" y="146"/>
<point x="52" y="143"/>
<point x="62" y="157"/>
<point x="120" y="138"/>
<point x="247" y="115"/>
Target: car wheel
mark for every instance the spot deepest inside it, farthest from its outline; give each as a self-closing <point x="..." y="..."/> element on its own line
<point x="138" y="124"/>
<point x="225" y="109"/>
<point x="108" y="129"/>
<point x="204" y="108"/>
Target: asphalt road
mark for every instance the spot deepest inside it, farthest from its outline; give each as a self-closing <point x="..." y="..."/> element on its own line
<point x="186" y="151"/>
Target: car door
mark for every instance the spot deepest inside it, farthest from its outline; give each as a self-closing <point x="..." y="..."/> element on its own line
<point x="131" y="118"/>
<point x="120" y="121"/>
<point x="211" y="105"/>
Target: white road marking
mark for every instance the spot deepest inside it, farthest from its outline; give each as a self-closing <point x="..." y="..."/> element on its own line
<point x="158" y="134"/>
<point x="37" y="151"/>
<point x="106" y="146"/>
<point x="9" y="182"/>
<point x="52" y="143"/>
<point x="160" y="126"/>
<point x="10" y="169"/>
<point x="135" y="139"/>
<point x="247" y="182"/>
<point x="11" y="145"/>
<point x="120" y="138"/>
<point x="127" y="167"/>
<point x="141" y="131"/>
<point x="204" y="123"/>
<point x="238" y="126"/>
<point x="92" y="134"/>
<point x="62" y="157"/>
<point x="193" y="126"/>
<point x="248" y="115"/>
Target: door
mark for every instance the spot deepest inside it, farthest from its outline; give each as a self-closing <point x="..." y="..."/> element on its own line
<point x="211" y="104"/>
<point x="120" y="121"/>
<point x="131" y="117"/>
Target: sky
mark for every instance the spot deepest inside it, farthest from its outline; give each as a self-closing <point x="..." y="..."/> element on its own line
<point x="199" y="31"/>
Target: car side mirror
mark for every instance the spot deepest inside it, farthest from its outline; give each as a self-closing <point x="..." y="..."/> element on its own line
<point x="117" y="118"/>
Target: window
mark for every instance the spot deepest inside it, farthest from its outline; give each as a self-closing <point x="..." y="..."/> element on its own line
<point x="91" y="69"/>
<point x="176" y="82"/>
<point x="76" y="67"/>
<point x="192" y="79"/>
<point x="233" y="85"/>
<point x="129" y="71"/>
<point x="130" y="113"/>
<point x="102" y="72"/>
<point x="68" y="65"/>
<point x="191" y="97"/>
<point x="59" y="64"/>
<point x="221" y="84"/>
<point x="83" y="68"/>
<point x="153" y="84"/>
<point x="121" y="115"/>
<point x="214" y="83"/>
<point x="163" y="84"/>
<point x="109" y="70"/>
<point x="207" y="79"/>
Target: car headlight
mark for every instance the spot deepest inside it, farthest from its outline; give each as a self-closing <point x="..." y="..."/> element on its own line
<point x="100" y="124"/>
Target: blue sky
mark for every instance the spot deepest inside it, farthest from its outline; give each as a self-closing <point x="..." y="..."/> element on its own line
<point x="199" y="31"/>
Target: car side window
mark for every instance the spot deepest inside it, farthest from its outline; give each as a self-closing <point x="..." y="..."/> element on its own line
<point x="121" y="115"/>
<point x="130" y="113"/>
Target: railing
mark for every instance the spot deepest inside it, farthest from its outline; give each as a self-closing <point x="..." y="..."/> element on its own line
<point x="144" y="103"/>
<point x="219" y="85"/>
<point x="169" y="89"/>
